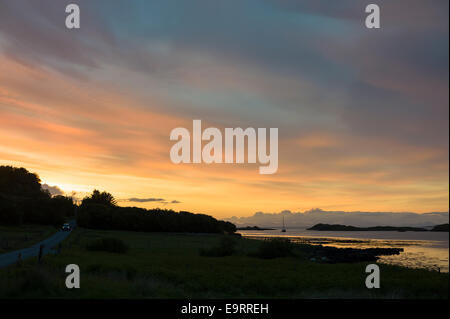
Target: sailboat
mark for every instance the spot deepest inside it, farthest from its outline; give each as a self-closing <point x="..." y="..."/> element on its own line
<point x="283" y="230"/>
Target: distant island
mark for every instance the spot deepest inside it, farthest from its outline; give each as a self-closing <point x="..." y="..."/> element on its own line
<point x="254" y="228"/>
<point x="443" y="228"/>
<point x="336" y="227"/>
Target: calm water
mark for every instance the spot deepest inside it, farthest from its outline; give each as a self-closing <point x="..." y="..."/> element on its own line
<point x="421" y="249"/>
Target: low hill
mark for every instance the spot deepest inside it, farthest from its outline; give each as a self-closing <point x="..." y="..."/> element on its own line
<point x="442" y="228"/>
<point x="254" y="228"/>
<point x="336" y="227"/>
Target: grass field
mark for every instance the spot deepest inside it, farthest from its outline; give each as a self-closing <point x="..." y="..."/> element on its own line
<point x="161" y="265"/>
<point x="16" y="237"/>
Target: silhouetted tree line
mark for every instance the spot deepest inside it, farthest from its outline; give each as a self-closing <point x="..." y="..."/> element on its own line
<point x="99" y="211"/>
<point x="23" y="201"/>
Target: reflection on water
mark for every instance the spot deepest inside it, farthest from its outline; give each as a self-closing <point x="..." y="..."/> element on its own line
<point x="421" y="249"/>
<point x="420" y="256"/>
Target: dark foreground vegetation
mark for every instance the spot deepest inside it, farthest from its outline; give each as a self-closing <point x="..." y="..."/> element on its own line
<point x="169" y="265"/>
<point x="108" y="244"/>
<point x="337" y="227"/>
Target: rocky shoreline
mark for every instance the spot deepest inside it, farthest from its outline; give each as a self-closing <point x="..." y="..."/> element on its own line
<point x="328" y="254"/>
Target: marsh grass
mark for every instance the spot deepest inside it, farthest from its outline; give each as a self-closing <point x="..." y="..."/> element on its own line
<point x="108" y="244"/>
<point x="275" y="248"/>
<point x="225" y="247"/>
<point x="163" y="265"/>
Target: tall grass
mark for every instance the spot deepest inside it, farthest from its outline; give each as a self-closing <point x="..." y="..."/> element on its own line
<point x="225" y="247"/>
<point x="109" y="244"/>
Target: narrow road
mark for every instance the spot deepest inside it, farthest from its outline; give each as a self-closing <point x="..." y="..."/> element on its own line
<point x="7" y="259"/>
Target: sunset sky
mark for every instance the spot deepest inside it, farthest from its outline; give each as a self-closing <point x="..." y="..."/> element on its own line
<point x="363" y="114"/>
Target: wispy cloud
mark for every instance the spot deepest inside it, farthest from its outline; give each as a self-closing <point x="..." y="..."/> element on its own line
<point x="151" y="200"/>
<point x="145" y="200"/>
<point x="53" y="190"/>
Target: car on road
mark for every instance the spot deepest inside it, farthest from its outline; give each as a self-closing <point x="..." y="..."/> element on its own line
<point x="66" y="227"/>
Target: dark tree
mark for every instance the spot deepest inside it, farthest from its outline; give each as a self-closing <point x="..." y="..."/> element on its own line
<point x="64" y="204"/>
<point x="19" y="182"/>
<point x="22" y="200"/>
<point x="101" y="198"/>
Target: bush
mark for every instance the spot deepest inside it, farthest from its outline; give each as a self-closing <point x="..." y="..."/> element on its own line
<point x="275" y="248"/>
<point x="226" y="247"/>
<point x="112" y="245"/>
